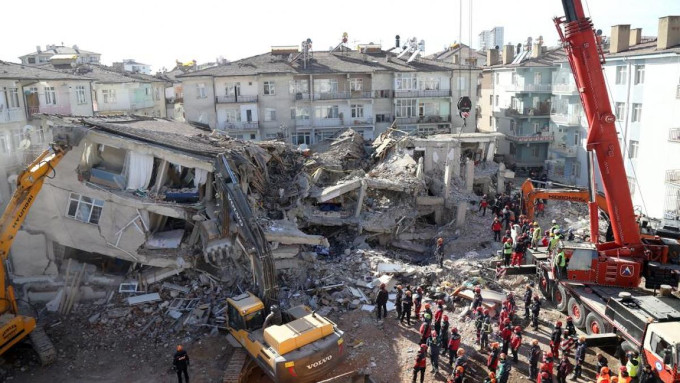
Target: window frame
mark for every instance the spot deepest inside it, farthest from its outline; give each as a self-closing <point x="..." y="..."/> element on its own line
<point x="621" y="74"/>
<point x="639" y="74"/>
<point x="269" y="88"/>
<point x="357" y="110"/>
<point x="94" y="204"/>
<point x="636" y="115"/>
<point x="201" y="91"/>
<point x="633" y="148"/>
<point x="13" y="100"/>
<point x="356" y="84"/>
<point x="622" y="107"/>
<point x="50" y="95"/>
<point x="269" y="114"/>
<point x="80" y="95"/>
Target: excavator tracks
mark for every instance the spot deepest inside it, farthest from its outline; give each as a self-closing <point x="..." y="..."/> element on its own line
<point x="232" y="374"/>
<point x="43" y="346"/>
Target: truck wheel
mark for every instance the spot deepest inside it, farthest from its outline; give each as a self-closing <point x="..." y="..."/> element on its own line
<point x="544" y="284"/>
<point x="560" y="297"/>
<point x="577" y="312"/>
<point x="594" y="325"/>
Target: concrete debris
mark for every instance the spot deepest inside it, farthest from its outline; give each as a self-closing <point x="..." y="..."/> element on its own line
<point x="146" y="298"/>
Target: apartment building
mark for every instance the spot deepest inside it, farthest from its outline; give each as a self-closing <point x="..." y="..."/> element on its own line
<point x="308" y="97"/>
<point x="491" y="38"/>
<point x="26" y="91"/>
<point x="515" y="92"/>
<point x="133" y="66"/>
<point x="56" y="52"/>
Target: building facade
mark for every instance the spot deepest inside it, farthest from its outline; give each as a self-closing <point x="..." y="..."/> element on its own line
<point x="491" y="39"/>
<point x="282" y="94"/>
<point x="56" y="52"/>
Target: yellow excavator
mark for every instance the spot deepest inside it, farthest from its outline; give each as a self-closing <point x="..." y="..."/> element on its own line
<point x="14" y="325"/>
<point x="300" y="346"/>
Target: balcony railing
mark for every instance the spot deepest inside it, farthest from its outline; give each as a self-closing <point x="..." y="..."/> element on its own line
<point x="361" y="94"/>
<point x="328" y="122"/>
<point x="566" y="119"/>
<point x="565" y="88"/>
<point x="383" y="93"/>
<point x="424" y="119"/>
<point x="239" y="125"/>
<point x="421" y="93"/>
<point x="674" y="135"/>
<point x="361" y="121"/>
<point x="524" y="113"/>
<point x="529" y="88"/>
<point x="543" y="138"/>
<point x="303" y="123"/>
<point x="11" y="115"/>
<point x="566" y="151"/>
<point x="234" y="99"/>
<point x="331" y="96"/>
<point x="301" y="96"/>
<point x="270" y="124"/>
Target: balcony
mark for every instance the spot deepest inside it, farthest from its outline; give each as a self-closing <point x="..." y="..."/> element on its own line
<point x="360" y="94"/>
<point x="568" y="89"/>
<point x="232" y="99"/>
<point x="383" y="93"/>
<point x="360" y="121"/>
<point x="424" y="119"/>
<point x="322" y="122"/>
<point x="674" y="135"/>
<point x="538" y="88"/>
<point x="332" y="96"/>
<point x="12" y="115"/>
<point x="541" y="111"/>
<point x="532" y="139"/>
<point x="421" y="93"/>
<point x="301" y="96"/>
<point x="566" y="119"/>
<point x="565" y="151"/>
<point x="239" y="125"/>
<point x="271" y="124"/>
<point x="301" y="123"/>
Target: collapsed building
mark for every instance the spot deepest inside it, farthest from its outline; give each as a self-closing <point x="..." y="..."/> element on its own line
<point x="136" y="197"/>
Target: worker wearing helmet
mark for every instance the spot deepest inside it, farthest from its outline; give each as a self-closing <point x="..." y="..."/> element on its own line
<point x="633" y="363"/>
<point x="444" y="333"/>
<point x="492" y="359"/>
<point x="603" y="376"/>
<point x="476" y="299"/>
<point x="453" y="345"/>
<point x="507" y="252"/>
<point x="579" y="357"/>
<point x="534" y="358"/>
<point x="507" y="237"/>
<point x="496" y="227"/>
<point x="425" y="328"/>
<point x="428" y="310"/>
<point x="417" y="300"/>
<point x="180" y="363"/>
<point x="535" y="311"/>
<point x="624" y="376"/>
<point x="486" y="332"/>
<point x="560" y="262"/>
<point x="536" y="236"/>
<point x="406" y="305"/>
<point x="556" y="338"/>
<point x="381" y="302"/>
<point x="439" y="252"/>
<point x="570" y="326"/>
<point x="528" y="293"/>
<point x="554" y="226"/>
<point x="548" y="364"/>
<point x="483" y="204"/>
<point x="434" y="342"/>
<point x="479" y="323"/>
<point x="420" y="364"/>
<point x="601" y="362"/>
<point x="506" y="335"/>
<point x="515" y="342"/>
<point x="503" y="370"/>
<point x="563" y="369"/>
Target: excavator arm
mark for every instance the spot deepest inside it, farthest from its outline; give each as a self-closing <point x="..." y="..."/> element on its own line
<point x="530" y="194"/>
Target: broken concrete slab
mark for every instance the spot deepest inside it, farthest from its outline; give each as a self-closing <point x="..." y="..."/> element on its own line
<point x="157" y="274"/>
<point x="410" y="246"/>
<point x="165" y="239"/>
<point x="385" y="184"/>
<point x="172" y="286"/>
<point x="389" y="268"/>
<point x="429" y="201"/>
<point x="287" y="233"/>
<point x="145" y="298"/>
<point x="335" y="191"/>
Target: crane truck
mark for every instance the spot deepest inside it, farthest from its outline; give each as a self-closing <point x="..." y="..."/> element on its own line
<point x="15" y="326"/>
<point x="601" y="287"/>
<point x="306" y="346"/>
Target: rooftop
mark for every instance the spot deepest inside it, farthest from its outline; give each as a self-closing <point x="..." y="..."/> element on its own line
<point x="28" y="72"/>
<point x="524" y="59"/>
<point x="646" y="48"/>
<point x="64" y="50"/>
<point x="349" y="61"/>
<point x="453" y="50"/>
<point x="101" y="73"/>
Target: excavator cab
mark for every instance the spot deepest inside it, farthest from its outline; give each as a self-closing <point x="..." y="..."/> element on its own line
<point x="662" y="350"/>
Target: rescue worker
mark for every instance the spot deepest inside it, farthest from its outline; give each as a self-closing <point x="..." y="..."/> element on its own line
<point x="567" y="343"/>
<point x="633" y="364"/>
<point x="510" y="304"/>
<point x="647" y="376"/>
<point x="458" y="376"/>
<point x="534" y="358"/>
<point x="564" y="369"/>
<point x="381" y="301"/>
<point x="438" y="316"/>
<point x="486" y="332"/>
<point x="535" y="311"/>
<point x="417" y="300"/>
<point x="536" y="236"/>
<point x="505" y="314"/>
<point x="556" y="338"/>
<point x="494" y="354"/>
<point x="570" y="326"/>
<point x="503" y="371"/>
<point x="273" y="318"/>
<point x="477" y="299"/>
<point x="545" y="242"/>
<point x="561" y="264"/>
<point x="421" y="364"/>
<point x="398" y="301"/>
<point x="428" y="311"/>
<point x="544" y="378"/>
<point x="579" y="357"/>
<point x="518" y="251"/>
<point x="506" y="335"/>
<point x="425" y="328"/>
<point x="479" y="323"/>
<point x="496" y="227"/>
<point x="461" y="360"/>
<point x="444" y="333"/>
<point x="507" y="252"/>
<point x="439" y="252"/>
<point x="491" y="378"/>
<point x="601" y="362"/>
<point x="624" y="377"/>
<point x="406" y="305"/>
<point x="506" y="237"/>
<point x="548" y="364"/>
<point x="483" y="204"/>
<point x="515" y="343"/>
<point x="603" y="376"/>
<point x="528" y="293"/>
<point x="453" y="345"/>
<point x="554" y="227"/>
<point x="435" y="344"/>
<point x="180" y="363"/>
<point x="540" y="208"/>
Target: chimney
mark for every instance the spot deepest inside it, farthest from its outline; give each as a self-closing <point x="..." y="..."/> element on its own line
<point x="537" y="48"/>
<point x="635" y="36"/>
<point x="37" y="48"/>
<point x="669" y="32"/>
<point x="492" y="57"/>
<point x="508" y="54"/>
<point x="620" y="38"/>
<point x="396" y="43"/>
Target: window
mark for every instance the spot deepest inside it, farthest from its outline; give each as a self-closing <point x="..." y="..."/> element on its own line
<point x="576" y="169"/>
<point x="269" y="88"/>
<point x="538" y="78"/>
<point x="406" y="108"/>
<point x="357" y="111"/>
<point x="491" y="122"/>
<point x="639" y="74"/>
<point x="356" y="84"/>
<point x="620" y="110"/>
<point x="4" y="144"/>
<point x="535" y="151"/>
<point x="432" y="83"/>
<point x="631" y="186"/>
<point x="323" y="112"/>
<point x="491" y="99"/>
<point x="497" y="100"/>
<point x="381" y="118"/>
<point x="147" y="91"/>
<point x="637" y="113"/>
<point x="50" y="96"/>
<point x="233" y="89"/>
<point x="157" y="94"/>
<point x="269" y="114"/>
<point x="253" y="136"/>
<point x="298" y="86"/>
<point x="302" y="138"/>
<point x="633" y="149"/>
<point x="621" y="74"/>
<point x="405" y="81"/>
<point x="232" y="116"/>
<point x="84" y="209"/>
<point x="577" y="138"/>
<point x="200" y="91"/>
<point x="31" y="60"/>
<point x="80" y="94"/>
<point x="13" y="98"/>
<point x="270" y="136"/>
<point x="299" y="114"/>
<point x="514" y="78"/>
<point x="328" y="85"/>
<point x="109" y="96"/>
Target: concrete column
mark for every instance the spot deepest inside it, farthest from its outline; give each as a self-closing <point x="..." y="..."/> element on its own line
<point x="490" y="151"/>
<point x="447" y="182"/>
<point x="469" y="174"/>
<point x="161" y="175"/>
<point x="500" y="187"/>
<point x="460" y="213"/>
<point x="360" y="200"/>
<point x="209" y="194"/>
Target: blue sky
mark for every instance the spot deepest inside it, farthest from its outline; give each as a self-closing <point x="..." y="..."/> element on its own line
<point x="158" y="32"/>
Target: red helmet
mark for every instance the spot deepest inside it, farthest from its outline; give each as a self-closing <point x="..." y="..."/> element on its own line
<point x="445" y="318"/>
<point x="486" y="311"/>
<point x="433" y="333"/>
<point x="480" y="309"/>
<point x="427" y="305"/>
<point x="507" y="321"/>
<point x="440" y="302"/>
<point x="518" y="329"/>
<point x="623" y="368"/>
<point x="423" y="347"/>
<point x="478" y="289"/>
<point x="536" y="297"/>
<point x="507" y="232"/>
<point x="558" y="324"/>
<point x="569" y="319"/>
<point x="454" y="330"/>
<point x="548" y="354"/>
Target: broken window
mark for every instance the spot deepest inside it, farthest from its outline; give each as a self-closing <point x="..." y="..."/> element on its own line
<point x="84" y="209"/>
<point x="103" y="165"/>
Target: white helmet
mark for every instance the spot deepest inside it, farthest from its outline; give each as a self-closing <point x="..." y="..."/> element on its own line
<point x="554" y="221"/>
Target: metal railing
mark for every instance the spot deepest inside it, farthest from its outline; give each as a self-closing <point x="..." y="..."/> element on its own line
<point x="526" y="112"/>
<point x="240" y="125"/>
<point x="566" y="119"/>
<point x="301" y="96"/>
<point x="424" y="119"/>
<point x="360" y="94"/>
<point x="361" y="121"/>
<point x="421" y="93"/>
<point x="564" y="88"/>
<point x="529" y="139"/>
<point x="328" y="122"/>
<point x="383" y="93"/>
<point x="567" y="151"/>
<point x="332" y="96"/>
<point x="529" y="88"/>
<point x="674" y="135"/>
<point x="303" y="122"/>
<point x="234" y="99"/>
<point x="11" y="115"/>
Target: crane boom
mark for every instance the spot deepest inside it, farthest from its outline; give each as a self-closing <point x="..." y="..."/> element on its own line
<point x="583" y="50"/>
